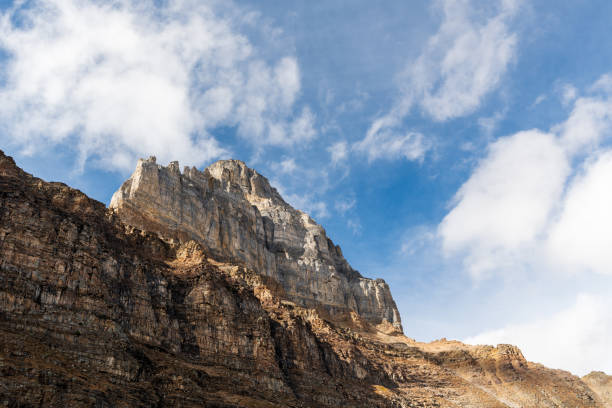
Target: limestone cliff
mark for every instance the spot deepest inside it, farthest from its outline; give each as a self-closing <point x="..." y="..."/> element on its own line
<point x="234" y="212"/>
<point x="96" y="313"/>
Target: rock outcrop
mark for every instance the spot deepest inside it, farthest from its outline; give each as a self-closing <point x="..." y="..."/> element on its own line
<point x="94" y="312"/>
<point x="601" y="383"/>
<point x="238" y="217"/>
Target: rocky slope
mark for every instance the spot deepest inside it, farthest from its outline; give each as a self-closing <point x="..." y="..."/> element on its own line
<point x="95" y="312"/>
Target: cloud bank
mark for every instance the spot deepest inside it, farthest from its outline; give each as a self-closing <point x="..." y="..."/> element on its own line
<point x="540" y="198"/>
<point x="118" y="79"/>
<point x="538" y="204"/>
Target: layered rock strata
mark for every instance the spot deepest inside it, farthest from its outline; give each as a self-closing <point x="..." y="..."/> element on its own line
<point x="238" y="217"/>
<point x="94" y="312"/>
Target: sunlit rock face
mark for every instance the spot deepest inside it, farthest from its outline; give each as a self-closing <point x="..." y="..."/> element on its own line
<point x="238" y="216"/>
<point x="94" y="312"/>
<point x="601" y="384"/>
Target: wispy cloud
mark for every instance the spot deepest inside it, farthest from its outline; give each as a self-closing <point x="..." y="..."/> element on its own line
<point x="308" y="204"/>
<point x="116" y="80"/>
<point x="568" y="94"/>
<point x="338" y="152"/>
<point x="355" y="226"/>
<point x="541" y="98"/>
<point x="461" y="64"/>
<point x="285" y="166"/>
<point x="342" y="206"/>
<point x="389" y="145"/>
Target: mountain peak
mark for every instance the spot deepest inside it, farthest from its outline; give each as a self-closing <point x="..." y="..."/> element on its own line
<point x="236" y="214"/>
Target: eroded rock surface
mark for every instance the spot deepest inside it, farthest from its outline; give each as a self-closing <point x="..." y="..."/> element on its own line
<point x="601" y="383"/>
<point x="94" y="312"/>
<point x="234" y="212"/>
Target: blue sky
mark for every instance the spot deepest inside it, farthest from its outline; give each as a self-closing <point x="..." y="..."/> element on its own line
<point x="458" y="149"/>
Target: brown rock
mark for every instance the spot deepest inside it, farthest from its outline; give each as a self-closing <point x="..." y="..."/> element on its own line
<point x="601" y="383"/>
<point x="97" y="313"/>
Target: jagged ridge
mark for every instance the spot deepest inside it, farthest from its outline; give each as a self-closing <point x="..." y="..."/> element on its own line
<point x="238" y="216"/>
<point x="96" y="313"/>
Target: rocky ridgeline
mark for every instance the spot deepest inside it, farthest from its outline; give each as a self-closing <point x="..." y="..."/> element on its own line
<point x="238" y="217"/>
<point x="97" y="313"/>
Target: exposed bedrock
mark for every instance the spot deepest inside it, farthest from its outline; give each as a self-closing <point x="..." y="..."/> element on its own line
<point x="238" y="216"/>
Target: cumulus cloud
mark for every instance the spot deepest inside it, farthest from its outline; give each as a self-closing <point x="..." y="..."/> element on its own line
<point x="575" y="339"/>
<point x="580" y="239"/>
<point x="589" y="122"/>
<point x="539" y="198"/>
<point x="539" y="203"/>
<point x="118" y="79"/>
<point x="461" y="64"/>
<point x="507" y="200"/>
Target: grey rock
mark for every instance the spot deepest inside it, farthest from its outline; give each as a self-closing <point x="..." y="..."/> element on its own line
<point x="236" y="214"/>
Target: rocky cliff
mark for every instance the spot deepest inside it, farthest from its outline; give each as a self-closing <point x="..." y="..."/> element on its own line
<point x="238" y="217"/>
<point x="95" y="312"/>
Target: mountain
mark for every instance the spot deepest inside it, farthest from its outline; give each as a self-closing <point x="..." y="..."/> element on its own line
<point x="207" y="289"/>
<point x="234" y="213"/>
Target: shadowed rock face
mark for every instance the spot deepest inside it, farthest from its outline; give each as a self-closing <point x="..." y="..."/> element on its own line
<point x="235" y="213"/>
<point x="95" y="313"/>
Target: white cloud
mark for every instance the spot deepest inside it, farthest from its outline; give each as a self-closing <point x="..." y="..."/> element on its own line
<point x="116" y="80"/>
<point x="506" y="202"/>
<point x="589" y="121"/>
<point x="576" y="339"/>
<point x="539" y="100"/>
<point x="307" y="204"/>
<point x="338" y="152"/>
<point x="355" y="226"/>
<point x="302" y="129"/>
<point x="580" y="240"/>
<point x="464" y="60"/>
<point x="418" y="239"/>
<point x="539" y="202"/>
<point x="461" y="64"/>
<point x="490" y="123"/>
<point x="389" y="145"/>
<point x="524" y="205"/>
<point x="568" y="94"/>
<point x="286" y="166"/>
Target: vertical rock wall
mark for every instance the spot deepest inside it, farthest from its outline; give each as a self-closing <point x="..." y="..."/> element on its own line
<point x="235" y="213"/>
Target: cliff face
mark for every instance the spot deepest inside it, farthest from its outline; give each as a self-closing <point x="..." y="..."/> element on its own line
<point x="94" y="312"/>
<point x="237" y="216"/>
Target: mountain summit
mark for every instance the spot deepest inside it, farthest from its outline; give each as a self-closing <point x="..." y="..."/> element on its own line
<point x="238" y="217"/>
